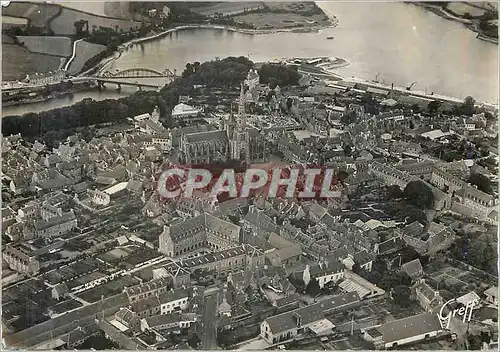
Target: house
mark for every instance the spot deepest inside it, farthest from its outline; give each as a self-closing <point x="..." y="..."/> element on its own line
<point x="413" y="269"/>
<point x="21" y="259"/>
<point x="468" y="298"/>
<point x="128" y="319"/>
<point x="164" y="303"/>
<point x="326" y="272"/>
<point x="286" y="252"/>
<point x="285" y="256"/>
<point x="290" y="324"/>
<point x="59" y="291"/>
<point x="8" y="217"/>
<point x="404" y="331"/>
<point x="364" y="260"/>
<point x="165" y="322"/>
<point x="492" y="295"/>
<point x="355" y="283"/>
<point x="56" y="226"/>
<point x="148" y="289"/>
<point x="429" y="299"/>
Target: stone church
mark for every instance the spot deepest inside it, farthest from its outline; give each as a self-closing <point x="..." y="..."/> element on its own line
<point x="236" y="141"/>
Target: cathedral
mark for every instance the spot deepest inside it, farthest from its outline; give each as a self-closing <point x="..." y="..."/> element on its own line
<point x="236" y="141"/>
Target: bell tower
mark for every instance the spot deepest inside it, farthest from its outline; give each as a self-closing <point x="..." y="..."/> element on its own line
<point x="239" y="142"/>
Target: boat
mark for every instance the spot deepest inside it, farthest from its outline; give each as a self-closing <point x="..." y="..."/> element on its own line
<point x="329" y="37"/>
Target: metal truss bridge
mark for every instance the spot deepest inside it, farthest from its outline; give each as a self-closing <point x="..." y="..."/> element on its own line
<point x="137" y="73"/>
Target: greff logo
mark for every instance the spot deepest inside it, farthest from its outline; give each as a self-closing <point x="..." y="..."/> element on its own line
<point x="268" y="180"/>
<point x="463" y="311"/>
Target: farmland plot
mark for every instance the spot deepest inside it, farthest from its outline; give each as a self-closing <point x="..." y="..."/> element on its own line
<point x="7" y="40"/>
<point x="101" y="8"/>
<point x="84" y="51"/>
<point x="58" y="46"/>
<point x="17" y="62"/>
<point x="64" y="23"/>
<point x="37" y="14"/>
<point x="226" y="8"/>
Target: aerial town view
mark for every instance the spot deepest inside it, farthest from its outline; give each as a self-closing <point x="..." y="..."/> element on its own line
<point x="249" y="175"/>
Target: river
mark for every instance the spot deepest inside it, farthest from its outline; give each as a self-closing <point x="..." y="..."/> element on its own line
<point x="401" y="43"/>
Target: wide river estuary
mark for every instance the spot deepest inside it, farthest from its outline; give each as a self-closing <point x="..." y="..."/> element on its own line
<point x="399" y="43"/>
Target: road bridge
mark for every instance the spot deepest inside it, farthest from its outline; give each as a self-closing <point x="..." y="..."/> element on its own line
<point x="123" y="77"/>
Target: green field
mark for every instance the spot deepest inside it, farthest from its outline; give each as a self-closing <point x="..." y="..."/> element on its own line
<point x="17" y="62"/>
<point x="37" y="14"/>
<point x="58" y="46"/>
<point x="64" y="23"/>
<point x="84" y="51"/>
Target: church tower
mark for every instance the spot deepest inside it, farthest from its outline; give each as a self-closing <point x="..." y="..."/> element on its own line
<point x="155" y="116"/>
<point x="239" y="142"/>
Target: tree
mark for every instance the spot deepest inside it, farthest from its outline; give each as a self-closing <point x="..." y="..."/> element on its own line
<point x="394" y="192"/>
<point x="481" y="255"/>
<point x="313" y="288"/>
<point x="418" y="194"/>
<point x="482" y="182"/>
<point x="401" y="295"/>
<point x="284" y="75"/>
<point x="468" y="106"/>
<point x="348" y="118"/>
<point x="433" y="107"/>
<point x="347" y="150"/>
<point x="416" y="108"/>
<point x="342" y="175"/>
<point x="390" y="280"/>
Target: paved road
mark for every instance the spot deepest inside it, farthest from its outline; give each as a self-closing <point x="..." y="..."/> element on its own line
<point x="210" y="322"/>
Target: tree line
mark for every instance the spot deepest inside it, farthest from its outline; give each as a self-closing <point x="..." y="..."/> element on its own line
<point x="46" y="125"/>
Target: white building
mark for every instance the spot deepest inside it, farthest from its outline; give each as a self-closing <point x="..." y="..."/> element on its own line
<point x="492" y="295"/>
<point x="404" y="331"/>
<point x="182" y="111"/>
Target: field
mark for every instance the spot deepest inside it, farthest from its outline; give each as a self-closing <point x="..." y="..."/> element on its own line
<point x="17" y="62"/>
<point x="226" y="8"/>
<point x="6" y="39"/>
<point x="37" y="15"/>
<point x="305" y="8"/>
<point x="64" y="23"/>
<point x="101" y="8"/>
<point x="280" y="20"/>
<point x="84" y="51"/>
<point x="461" y="8"/>
<point x="58" y="46"/>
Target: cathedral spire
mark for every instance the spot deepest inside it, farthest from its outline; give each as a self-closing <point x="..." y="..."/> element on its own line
<point x="241" y="108"/>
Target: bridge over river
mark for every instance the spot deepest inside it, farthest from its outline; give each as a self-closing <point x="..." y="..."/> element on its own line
<point x="138" y="77"/>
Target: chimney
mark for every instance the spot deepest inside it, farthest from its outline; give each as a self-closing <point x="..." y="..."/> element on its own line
<point x="298" y="319"/>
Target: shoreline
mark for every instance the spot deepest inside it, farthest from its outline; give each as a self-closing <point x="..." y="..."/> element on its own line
<point x="470" y="24"/>
<point x="116" y="55"/>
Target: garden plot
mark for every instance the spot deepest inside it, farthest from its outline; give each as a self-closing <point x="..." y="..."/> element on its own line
<point x="63" y="24"/>
<point x="108" y="289"/>
<point x="84" y="51"/>
<point x="57" y="46"/>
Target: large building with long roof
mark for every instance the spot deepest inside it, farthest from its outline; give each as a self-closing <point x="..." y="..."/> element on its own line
<point x="236" y="141"/>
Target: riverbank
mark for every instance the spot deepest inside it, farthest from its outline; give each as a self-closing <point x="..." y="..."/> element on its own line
<point x="469" y="23"/>
<point x="101" y="66"/>
<point x="41" y="98"/>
